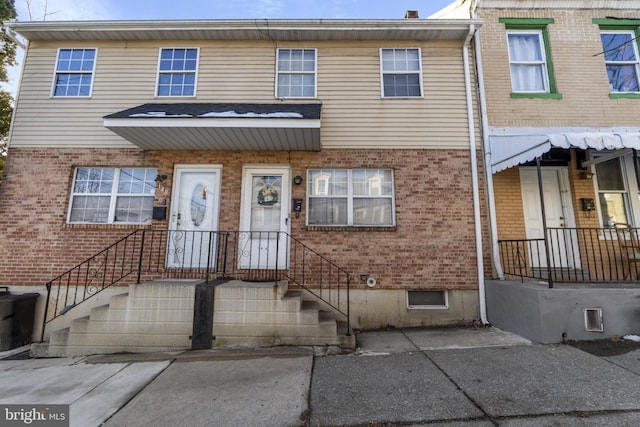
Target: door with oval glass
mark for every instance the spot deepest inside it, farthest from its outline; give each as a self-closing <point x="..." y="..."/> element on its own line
<point x="264" y="218"/>
<point x="194" y="216"/>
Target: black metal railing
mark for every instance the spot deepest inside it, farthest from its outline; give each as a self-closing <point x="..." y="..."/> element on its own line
<point x="145" y="255"/>
<point x="580" y="255"/>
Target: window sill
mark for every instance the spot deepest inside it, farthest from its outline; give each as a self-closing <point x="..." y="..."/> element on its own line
<point x="516" y="95"/>
<point x="105" y="225"/>
<point x="350" y="228"/>
<point x="625" y="95"/>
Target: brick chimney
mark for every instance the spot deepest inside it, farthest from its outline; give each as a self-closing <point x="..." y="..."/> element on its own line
<point x="411" y="14"/>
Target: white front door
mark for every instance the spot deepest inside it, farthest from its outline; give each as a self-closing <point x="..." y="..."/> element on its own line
<point x="559" y="214"/>
<point x="194" y="216"/>
<point x="264" y="217"/>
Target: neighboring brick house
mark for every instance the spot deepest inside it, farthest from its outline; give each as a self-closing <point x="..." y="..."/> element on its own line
<point x="561" y="92"/>
<point x="355" y="137"/>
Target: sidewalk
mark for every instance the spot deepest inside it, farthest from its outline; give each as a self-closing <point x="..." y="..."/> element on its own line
<point x="450" y="377"/>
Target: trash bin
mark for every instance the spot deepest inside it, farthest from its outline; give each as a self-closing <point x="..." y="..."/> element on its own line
<point x="16" y="318"/>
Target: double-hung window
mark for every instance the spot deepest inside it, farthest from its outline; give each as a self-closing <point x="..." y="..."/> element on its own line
<point x="401" y="73"/>
<point x="620" y="50"/>
<point x="177" y="72"/>
<point x="112" y="195"/>
<point x="617" y="189"/>
<point x="74" y="73"/>
<point x="530" y="58"/>
<point x="351" y="197"/>
<point x="296" y="73"/>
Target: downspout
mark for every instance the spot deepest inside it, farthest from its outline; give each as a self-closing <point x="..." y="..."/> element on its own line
<point x="474" y="177"/>
<point x="484" y="120"/>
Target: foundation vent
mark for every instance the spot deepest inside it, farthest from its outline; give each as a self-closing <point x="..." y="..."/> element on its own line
<point x="593" y="320"/>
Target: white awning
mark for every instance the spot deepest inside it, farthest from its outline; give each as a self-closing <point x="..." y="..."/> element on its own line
<point x="511" y="150"/>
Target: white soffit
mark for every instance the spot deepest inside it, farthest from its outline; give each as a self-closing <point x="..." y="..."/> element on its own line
<point x="511" y="150"/>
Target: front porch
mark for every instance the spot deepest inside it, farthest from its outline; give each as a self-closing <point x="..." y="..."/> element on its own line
<point x="569" y="311"/>
<point x="574" y="255"/>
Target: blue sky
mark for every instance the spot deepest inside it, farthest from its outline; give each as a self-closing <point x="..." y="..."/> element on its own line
<point x="58" y="10"/>
<point x="73" y="10"/>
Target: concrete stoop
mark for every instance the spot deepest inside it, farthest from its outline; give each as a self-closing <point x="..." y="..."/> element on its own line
<point x="152" y="317"/>
<point x="158" y="317"/>
<point x="264" y="314"/>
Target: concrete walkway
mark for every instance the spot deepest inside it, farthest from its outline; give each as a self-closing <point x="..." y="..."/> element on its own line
<point x="411" y="377"/>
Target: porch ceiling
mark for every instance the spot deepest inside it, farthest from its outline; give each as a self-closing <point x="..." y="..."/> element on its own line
<point x="207" y="126"/>
<point x="511" y="149"/>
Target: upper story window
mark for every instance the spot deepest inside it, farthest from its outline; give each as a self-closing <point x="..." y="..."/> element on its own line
<point x="296" y="73"/>
<point x="177" y="72"/>
<point x="530" y="58"/>
<point x="74" y="72"/>
<point x="620" y="46"/>
<point x="112" y="195"/>
<point x="401" y="71"/>
<point x="620" y="49"/>
<point x="351" y="197"/>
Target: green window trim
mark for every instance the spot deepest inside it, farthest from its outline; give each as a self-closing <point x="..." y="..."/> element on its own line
<point x="521" y="95"/>
<point x="526" y="23"/>
<point x="536" y="24"/>
<point x="616" y="24"/>
<point x="621" y="24"/>
<point x="624" y="95"/>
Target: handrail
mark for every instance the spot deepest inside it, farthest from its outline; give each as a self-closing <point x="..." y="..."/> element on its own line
<point x="92" y="276"/>
<point x="577" y="255"/>
<point x="152" y="254"/>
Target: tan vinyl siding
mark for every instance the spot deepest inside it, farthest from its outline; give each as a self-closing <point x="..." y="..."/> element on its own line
<point x="354" y="115"/>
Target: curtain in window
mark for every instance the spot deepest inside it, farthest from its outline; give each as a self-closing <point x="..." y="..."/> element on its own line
<point x="527" y="63"/>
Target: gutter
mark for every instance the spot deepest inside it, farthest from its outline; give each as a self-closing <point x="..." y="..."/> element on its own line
<point x="474" y="177"/>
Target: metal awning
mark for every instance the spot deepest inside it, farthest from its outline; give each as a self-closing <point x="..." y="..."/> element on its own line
<point x="511" y="150"/>
<point x="208" y="126"/>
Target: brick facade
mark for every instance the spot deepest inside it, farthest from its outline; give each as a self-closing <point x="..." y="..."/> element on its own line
<point x="432" y="245"/>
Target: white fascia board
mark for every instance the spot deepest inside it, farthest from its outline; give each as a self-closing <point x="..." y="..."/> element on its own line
<point x="213" y="123"/>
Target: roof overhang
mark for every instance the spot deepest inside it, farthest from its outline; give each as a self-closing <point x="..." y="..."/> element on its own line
<point x="247" y="29"/>
<point x="508" y="150"/>
<point x="204" y="126"/>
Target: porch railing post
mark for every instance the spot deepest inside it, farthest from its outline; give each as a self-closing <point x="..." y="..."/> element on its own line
<point x="46" y="311"/>
<point x="141" y="257"/>
<point x="544" y="223"/>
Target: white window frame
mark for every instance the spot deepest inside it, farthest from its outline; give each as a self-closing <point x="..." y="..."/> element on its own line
<point x="301" y="72"/>
<point x="635" y="63"/>
<point x="91" y="73"/>
<point x="172" y="72"/>
<point x="384" y="72"/>
<point x="113" y="195"/>
<point x="350" y="197"/>
<point x="542" y="62"/>
<point x="631" y="194"/>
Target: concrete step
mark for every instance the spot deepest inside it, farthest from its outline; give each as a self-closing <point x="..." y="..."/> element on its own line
<point x="270" y="341"/>
<point x="46" y="350"/>
<point x="288" y="304"/>
<point x="59" y="337"/>
<point x="129" y="340"/>
<point x="151" y="303"/>
<point x="238" y="290"/>
<point x="143" y="315"/>
<point x="86" y="326"/>
<point x="324" y="328"/>
<point x="306" y="316"/>
<point x="164" y="289"/>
